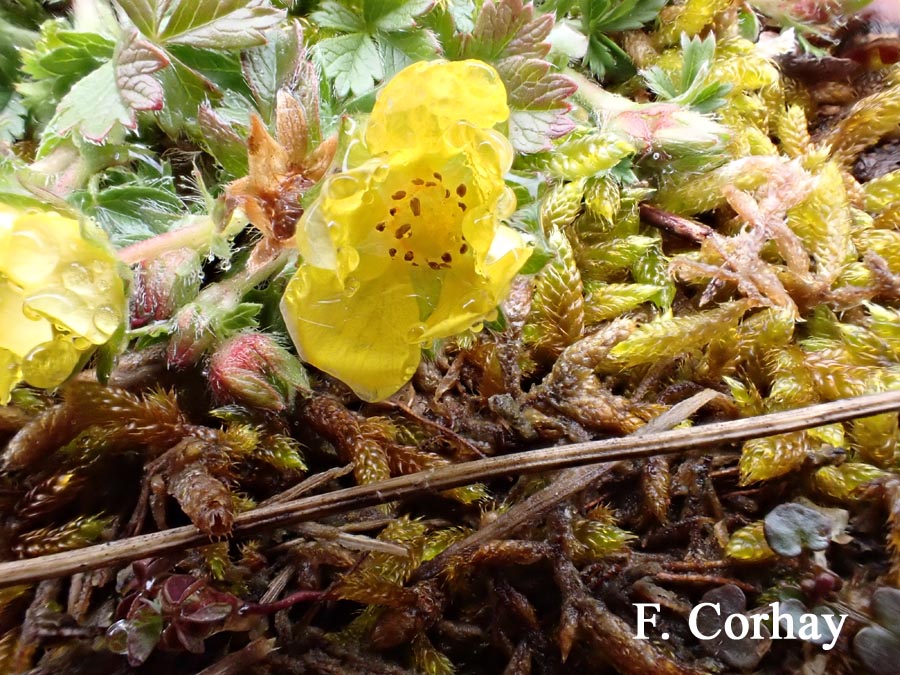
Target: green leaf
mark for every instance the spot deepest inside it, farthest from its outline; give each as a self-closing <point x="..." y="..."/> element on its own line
<point x="537" y="101"/>
<point x="278" y="64"/>
<point x="210" y="24"/>
<point x="55" y="62"/>
<point x="607" y="59"/>
<point x="222" y="141"/>
<point x="599" y="17"/>
<point x="12" y="119"/>
<point x="609" y="16"/>
<point x="337" y="17"/>
<point x="379" y="41"/>
<point x="113" y="93"/>
<point x="221" y="68"/>
<point x="131" y="213"/>
<point x="387" y="16"/>
<point x="693" y="89"/>
<point x="146" y="15"/>
<point x="400" y="49"/>
<point x="507" y="28"/>
<point x="220" y="24"/>
<point x="243" y="317"/>
<point x="352" y="61"/>
<point x="185" y="90"/>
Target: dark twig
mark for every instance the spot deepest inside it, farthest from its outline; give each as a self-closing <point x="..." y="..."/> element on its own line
<point x="683" y="227"/>
<point x="448" y="477"/>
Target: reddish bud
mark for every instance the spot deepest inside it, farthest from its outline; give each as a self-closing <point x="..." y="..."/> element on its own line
<point x="253" y="369"/>
<point x="163" y="284"/>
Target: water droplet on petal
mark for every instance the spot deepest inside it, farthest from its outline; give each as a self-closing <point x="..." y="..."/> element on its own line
<point x="343" y="186"/>
<point x="351" y="285"/>
<point x="50" y="363"/>
<point x="415" y="333"/>
<point x="62" y="307"/>
<point x="106" y="320"/>
<point x="77" y="278"/>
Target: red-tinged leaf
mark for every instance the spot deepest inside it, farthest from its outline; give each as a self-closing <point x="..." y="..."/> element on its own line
<point x="537" y="101"/>
<point x="113" y="93"/>
<point x="530" y="39"/>
<point x="135" y="63"/>
<point x="508" y="36"/>
<point x="530" y="85"/>
<point x="507" y="28"/>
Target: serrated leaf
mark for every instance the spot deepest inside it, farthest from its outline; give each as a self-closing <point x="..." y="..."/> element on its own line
<point x="537" y="101"/>
<point x="146" y="15"/>
<point x="462" y="12"/>
<point x="113" y="93"/>
<point x="92" y="107"/>
<point x="607" y="59"/>
<point x="12" y="119"/>
<point x="507" y="28"/>
<point x="222" y="141"/>
<point x="336" y="16"/>
<point x="136" y="60"/>
<point x="599" y="17"/>
<point x="610" y="16"/>
<point x="242" y="317"/>
<point x="388" y="16"/>
<point x="279" y="64"/>
<point x="220" y="24"/>
<point x="131" y="213"/>
<point x="507" y="35"/>
<point x="185" y="91"/>
<point x="380" y="41"/>
<point x="400" y="49"/>
<point x="352" y="61"/>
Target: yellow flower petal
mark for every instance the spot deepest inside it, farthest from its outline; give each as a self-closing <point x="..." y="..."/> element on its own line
<point x="406" y="246"/>
<point x="360" y="338"/>
<point x="60" y="293"/>
<point x="419" y="104"/>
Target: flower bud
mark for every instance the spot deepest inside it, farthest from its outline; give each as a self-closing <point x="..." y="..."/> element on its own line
<point x="163" y="284"/>
<point x="253" y="369"/>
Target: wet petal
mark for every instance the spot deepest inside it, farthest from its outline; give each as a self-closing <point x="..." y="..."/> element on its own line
<point x="423" y="100"/>
<point x="359" y="335"/>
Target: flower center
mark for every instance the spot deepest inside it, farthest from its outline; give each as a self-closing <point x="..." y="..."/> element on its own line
<point x="423" y="224"/>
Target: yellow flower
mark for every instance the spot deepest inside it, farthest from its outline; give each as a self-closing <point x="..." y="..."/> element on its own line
<point x="406" y="245"/>
<point x="60" y="295"/>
